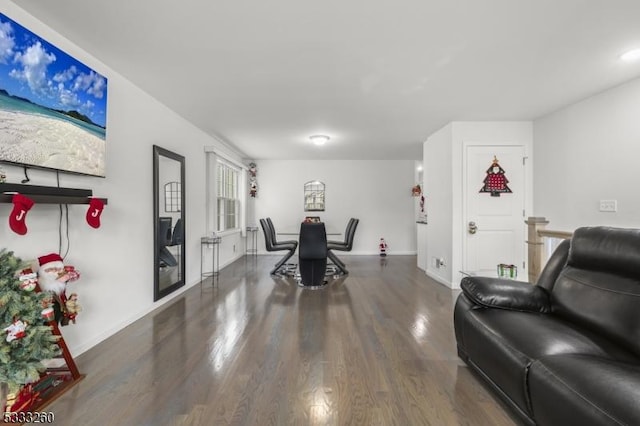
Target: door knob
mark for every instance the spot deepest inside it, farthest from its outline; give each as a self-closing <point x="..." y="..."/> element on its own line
<point x="472" y="227"/>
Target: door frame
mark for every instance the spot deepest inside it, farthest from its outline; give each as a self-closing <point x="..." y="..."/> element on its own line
<point x="460" y="230"/>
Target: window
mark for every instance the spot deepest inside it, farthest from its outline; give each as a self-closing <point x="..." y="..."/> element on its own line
<point x="314" y="196"/>
<point x="228" y="202"/>
<point x="172" y="197"/>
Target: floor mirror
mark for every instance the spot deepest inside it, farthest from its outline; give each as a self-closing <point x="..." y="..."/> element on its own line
<point x="168" y="221"/>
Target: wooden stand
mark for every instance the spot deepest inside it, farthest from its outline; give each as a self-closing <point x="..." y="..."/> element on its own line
<point x="55" y="380"/>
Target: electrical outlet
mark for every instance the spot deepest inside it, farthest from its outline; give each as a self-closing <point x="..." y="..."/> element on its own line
<point x="438" y="262"/>
<point x="608" y="205"/>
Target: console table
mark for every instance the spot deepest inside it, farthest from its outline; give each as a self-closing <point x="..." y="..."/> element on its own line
<point x="252" y="240"/>
<point x="214" y="243"/>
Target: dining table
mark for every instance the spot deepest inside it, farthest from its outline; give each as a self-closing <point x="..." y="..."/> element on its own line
<point x="338" y="265"/>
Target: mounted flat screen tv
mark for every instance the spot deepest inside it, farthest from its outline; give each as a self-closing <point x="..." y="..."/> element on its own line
<point x="53" y="108"/>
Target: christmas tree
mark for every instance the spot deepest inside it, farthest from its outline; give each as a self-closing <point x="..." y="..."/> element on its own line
<point x="27" y="340"/>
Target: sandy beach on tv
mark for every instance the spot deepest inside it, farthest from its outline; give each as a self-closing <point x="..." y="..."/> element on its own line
<point x="49" y="142"/>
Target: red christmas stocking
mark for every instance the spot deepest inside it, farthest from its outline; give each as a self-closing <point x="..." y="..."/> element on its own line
<point x="95" y="210"/>
<point x="21" y="205"/>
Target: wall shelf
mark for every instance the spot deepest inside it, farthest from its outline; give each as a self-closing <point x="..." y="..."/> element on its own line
<point x="52" y="199"/>
<point x="47" y="194"/>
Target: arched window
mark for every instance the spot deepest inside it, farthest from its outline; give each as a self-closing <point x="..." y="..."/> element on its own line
<point x="314" y="196"/>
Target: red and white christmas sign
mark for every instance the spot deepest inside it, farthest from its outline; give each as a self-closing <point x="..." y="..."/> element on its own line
<point x="496" y="182"/>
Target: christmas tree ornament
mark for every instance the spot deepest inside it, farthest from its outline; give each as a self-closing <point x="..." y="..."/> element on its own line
<point x="96" y="206"/>
<point x="21" y="205"/>
<point x="28" y="279"/>
<point x="496" y="182"/>
<point x="48" y="314"/>
<point x="16" y="330"/>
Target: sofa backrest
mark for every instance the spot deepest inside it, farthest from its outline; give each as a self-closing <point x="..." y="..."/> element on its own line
<point x="555" y="264"/>
<point x="599" y="287"/>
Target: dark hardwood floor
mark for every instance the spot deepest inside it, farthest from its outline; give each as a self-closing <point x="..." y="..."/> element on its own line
<point x="374" y="348"/>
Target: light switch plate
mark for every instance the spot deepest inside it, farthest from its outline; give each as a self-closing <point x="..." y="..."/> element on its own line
<point x="608" y="205"/>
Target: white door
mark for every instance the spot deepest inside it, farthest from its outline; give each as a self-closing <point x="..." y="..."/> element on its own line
<point x="494" y="223"/>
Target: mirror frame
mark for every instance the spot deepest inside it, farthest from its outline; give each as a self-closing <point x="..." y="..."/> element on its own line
<point x="157" y="153"/>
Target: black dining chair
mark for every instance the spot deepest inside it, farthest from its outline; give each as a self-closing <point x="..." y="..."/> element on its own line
<point x="273" y="234"/>
<point x="280" y="246"/>
<point x="345" y="245"/>
<point x="164" y="241"/>
<point x="312" y="254"/>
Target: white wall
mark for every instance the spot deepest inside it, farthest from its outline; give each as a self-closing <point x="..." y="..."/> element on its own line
<point x="116" y="260"/>
<point x="589" y="152"/>
<point x="444" y="159"/>
<point x="438" y="190"/>
<point x="376" y="192"/>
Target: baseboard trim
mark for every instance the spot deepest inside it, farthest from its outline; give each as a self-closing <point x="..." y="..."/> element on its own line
<point x="357" y="253"/>
<point x="78" y="350"/>
<point x="439" y="279"/>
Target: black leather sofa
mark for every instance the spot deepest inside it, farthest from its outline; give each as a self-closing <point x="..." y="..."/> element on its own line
<point x="565" y="351"/>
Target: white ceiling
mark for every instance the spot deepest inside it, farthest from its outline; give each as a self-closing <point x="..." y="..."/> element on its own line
<point x="378" y="76"/>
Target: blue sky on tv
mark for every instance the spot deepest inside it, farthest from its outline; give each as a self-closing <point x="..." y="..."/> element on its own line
<point x="33" y="68"/>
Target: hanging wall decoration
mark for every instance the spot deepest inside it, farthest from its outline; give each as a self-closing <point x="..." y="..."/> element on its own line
<point x="253" y="183"/>
<point x="496" y="181"/>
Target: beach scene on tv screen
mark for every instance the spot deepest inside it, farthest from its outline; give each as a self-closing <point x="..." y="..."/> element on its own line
<point x="53" y="108"/>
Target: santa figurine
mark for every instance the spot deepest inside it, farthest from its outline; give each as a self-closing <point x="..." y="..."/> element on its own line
<point x="53" y="277"/>
<point x="383" y="247"/>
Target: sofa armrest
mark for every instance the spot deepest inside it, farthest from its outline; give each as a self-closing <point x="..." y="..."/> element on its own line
<point x="506" y="294"/>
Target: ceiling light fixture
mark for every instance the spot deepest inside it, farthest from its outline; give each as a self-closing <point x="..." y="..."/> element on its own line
<point x="319" y="139"/>
<point x="631" y="55"/>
